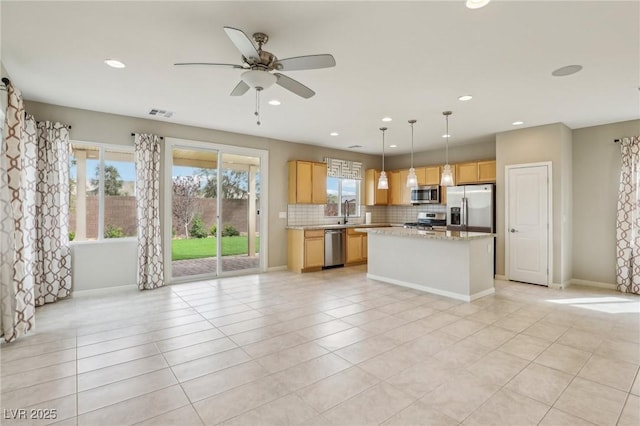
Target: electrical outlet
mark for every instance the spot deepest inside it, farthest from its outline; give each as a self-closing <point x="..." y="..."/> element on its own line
<point x="282" y="215"/>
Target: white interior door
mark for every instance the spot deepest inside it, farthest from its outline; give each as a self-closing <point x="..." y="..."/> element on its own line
<point x="528" y="224"/>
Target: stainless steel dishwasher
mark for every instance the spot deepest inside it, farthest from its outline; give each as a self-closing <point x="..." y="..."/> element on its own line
<point x="334" y="247"/>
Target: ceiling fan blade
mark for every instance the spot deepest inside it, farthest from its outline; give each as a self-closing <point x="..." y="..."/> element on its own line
<point x="240" y="89"/>
<point x="210" y="64"/>
<point x="243" y="43"/>
<point x="309" y="62"/>
<point x="294" y="86"/>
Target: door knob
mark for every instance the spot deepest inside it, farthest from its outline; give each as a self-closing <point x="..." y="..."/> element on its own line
<point x="512" y="230"/>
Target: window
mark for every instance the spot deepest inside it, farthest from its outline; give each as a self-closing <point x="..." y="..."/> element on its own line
<point x="340" y="190"/>
<point x="102" y="202"/>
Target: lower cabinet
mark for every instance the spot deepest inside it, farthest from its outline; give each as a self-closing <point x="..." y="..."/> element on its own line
<point x="305" y="250"/>
<point x="356" y="247"/>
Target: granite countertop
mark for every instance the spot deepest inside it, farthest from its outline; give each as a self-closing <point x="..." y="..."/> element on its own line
<point x="340" y="226"/>
<point x="431" y="235"/>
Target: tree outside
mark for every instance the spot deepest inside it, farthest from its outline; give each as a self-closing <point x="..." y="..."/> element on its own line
<point x="184" y="201"/>
<point x="112" y="181"/>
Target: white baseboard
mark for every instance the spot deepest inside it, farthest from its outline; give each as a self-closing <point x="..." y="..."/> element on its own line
<point x="500" y="277"/>
<point x="576" y="281"/>
<point x="426" y="289"/>
<point x="95" y="291"/>
<point x="277" y="268"/>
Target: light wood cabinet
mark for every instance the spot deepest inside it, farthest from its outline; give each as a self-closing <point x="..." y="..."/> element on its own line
<point x="305" y="250"/>
<point x="405" y="193"/>
<point x="467" y="173"/>
<point x="357" y="246"/>
<point x="476" y="172"/>
<point x="487" y="171"/>
<point x="432" y="176"/>
<point x="443" y="189"/>
<point x="372" y="195"/>
<point x="395" y="188"/>
<point x="307" y="182"/>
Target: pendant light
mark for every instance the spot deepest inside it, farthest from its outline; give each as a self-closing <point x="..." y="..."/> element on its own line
<point x="447" y="175"/>
<point x="412" y="179"/>
<point x="383" y="182"/>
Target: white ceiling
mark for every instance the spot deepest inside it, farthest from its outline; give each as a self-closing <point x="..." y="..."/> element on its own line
<point x="399" y="59"/>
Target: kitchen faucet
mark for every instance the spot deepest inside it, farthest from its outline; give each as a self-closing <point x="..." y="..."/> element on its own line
<point x="345" y="207"/>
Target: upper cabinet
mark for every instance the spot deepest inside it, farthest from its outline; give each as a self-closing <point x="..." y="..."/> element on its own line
<point x="307" y="182"/>
<point x="476" y="172"/>
<point x="395" y="187"/>
<point x="431" y="175"/>
<point x="372" y="195"/>
<point x="487" y="171"/>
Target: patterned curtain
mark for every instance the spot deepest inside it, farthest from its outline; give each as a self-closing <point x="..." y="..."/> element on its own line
<point x="150" y="264"/>
<point x="16" y="285"/>
<point x="628" y="221"/>
<point x="53" y="254"/>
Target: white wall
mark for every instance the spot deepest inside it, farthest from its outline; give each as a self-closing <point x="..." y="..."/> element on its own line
<point x="457" y="154"/>
<point x="538" y="144"/>
<point x="94" y="126"/>
<point x="103" y="264"/>
<point x="596" y="177"/>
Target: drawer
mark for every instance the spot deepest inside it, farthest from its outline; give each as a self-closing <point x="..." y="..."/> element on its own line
<point x="314" y="233"/>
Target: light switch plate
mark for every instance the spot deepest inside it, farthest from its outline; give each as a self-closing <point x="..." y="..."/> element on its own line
<point x="282" y="215"/>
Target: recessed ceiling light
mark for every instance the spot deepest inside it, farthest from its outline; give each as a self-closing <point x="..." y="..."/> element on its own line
<point x="274" y="102"/>
<point x="393" y="146"/>
<point x="568" y="70"/>
<point x="477" y="4"/>
<point x="114" y="63"/>
<point x="517" y="123"/>
<point x="446" y="136"/>
<point x="465" y="98"/>
<point x="334" y="134"/>
<point x="387" y="119"/>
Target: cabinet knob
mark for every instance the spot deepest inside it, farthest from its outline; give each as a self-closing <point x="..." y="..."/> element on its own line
<point x="512" y="230"/>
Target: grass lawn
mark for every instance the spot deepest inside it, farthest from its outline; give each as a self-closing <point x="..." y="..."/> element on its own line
<point x="196" y="248"/>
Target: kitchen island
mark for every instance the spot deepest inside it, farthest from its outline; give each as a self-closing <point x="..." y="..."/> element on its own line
<point x="454" y="264"/>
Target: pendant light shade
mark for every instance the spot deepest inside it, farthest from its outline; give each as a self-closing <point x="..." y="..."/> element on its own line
<point x="412" y="179"/>
<point x="383" y="182"/>
<point x="447" y="175"/>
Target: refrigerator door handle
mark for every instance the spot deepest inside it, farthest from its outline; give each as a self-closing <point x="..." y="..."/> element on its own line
<point x="463" y="212"/>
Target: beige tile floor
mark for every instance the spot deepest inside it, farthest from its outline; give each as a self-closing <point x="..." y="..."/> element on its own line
<point x="327" y="348"/>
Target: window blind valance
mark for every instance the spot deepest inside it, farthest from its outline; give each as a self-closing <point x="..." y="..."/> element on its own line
<point x="344" y="169"/>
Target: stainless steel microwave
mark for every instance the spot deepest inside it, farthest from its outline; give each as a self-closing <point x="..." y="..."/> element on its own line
<point x="428" y="194"/>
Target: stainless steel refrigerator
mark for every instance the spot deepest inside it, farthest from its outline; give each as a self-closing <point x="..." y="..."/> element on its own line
<point x="471" y="208"/>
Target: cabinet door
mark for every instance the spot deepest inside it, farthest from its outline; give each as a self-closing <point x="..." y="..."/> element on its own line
<point x="395" y="190"/>
<point x="302" y="177"/>
<point x="487" y="171"/>
<point x="443" y="189"/>
<point x="374" y="196"/>
<point x="313" y="252"/>
<point x="421" y="174"/>
<point x="467" y="173"/>
<point x="405" y="193"/>
<point x="319" y="183"/>
<point x="354" y="248"/>
<point x="432" y="176"/>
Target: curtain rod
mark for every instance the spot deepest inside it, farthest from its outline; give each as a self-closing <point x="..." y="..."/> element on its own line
<point x="161" y="137"/>
<point x="617" y="140"/>
<point x="6" y="81"/>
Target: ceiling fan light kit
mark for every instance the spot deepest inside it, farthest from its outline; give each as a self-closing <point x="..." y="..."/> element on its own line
<point x="260" y="65"/>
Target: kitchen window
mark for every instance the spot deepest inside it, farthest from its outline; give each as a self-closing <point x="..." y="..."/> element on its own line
<point x="340" y="190"/>
<point x="102" y="192"/>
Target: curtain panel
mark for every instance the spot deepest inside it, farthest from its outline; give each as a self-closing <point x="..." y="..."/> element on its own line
<point x="16" y="285"/>
<point x="53" y="260"/>
<point x="628" y="219"/>
<point x="150" y="262"/>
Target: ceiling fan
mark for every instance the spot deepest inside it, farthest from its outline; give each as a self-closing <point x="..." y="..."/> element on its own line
<point x="260" y="66"/>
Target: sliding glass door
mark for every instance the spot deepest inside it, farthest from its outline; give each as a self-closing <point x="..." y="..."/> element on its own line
<point x="214" y="200"/>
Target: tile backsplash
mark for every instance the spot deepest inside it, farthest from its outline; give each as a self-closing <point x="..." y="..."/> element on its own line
<point x="313" y="214"/>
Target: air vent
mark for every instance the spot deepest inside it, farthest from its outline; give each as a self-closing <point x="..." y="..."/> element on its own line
<point x="355" y="146"/>
<point x="161" y="113"/>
